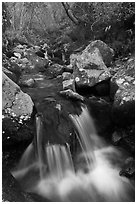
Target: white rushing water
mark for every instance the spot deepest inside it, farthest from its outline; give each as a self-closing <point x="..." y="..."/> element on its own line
<point x="99" y="183"/>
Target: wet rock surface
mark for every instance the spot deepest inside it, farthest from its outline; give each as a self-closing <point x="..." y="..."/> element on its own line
<point x="100" y="109"/>
<point x="59" y="90"/>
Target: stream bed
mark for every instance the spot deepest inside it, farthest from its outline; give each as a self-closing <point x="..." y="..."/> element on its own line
<point x="57" y="129"/>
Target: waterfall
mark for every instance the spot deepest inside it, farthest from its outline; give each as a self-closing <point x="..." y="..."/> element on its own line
<point x="57" y="178"/>
<point x="59" y="160"/>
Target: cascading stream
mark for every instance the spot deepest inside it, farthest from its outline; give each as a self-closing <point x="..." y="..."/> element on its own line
<point x="59" y="160"/>
<point x="59" y="181"/>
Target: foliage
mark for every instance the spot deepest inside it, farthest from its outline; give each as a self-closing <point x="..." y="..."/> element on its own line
<point x="38" y="21"/>
<point x="5" y="18"/>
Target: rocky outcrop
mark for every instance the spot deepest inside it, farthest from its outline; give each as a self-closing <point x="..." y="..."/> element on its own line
<point x="123" y="110"/>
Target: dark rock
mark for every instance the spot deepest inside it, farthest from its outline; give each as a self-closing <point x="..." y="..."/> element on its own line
<point x="9" y="54"/>
<point x="55" y="123"/>
<point x="40" y="54"/>
<point x="125" y="137"/>
<point x="128" y="169"/>
<point x="100" y="111"/>
<point x="15" y="68"/>
<point x="88" y="79"/>
<point x="15" y="130"/>
<point x="11" y="191"/>
<point x="10" y="74"/>
<point x="100" y="89"/>
<point x="116" y="138"/>
<point x="123" y="110"/>
<point x="17" y="108"/>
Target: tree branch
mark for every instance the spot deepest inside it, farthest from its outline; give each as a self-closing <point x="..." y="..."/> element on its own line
<point x="69" y="13"/>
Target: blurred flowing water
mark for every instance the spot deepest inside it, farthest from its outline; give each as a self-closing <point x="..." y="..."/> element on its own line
<point x="48" y="169"/>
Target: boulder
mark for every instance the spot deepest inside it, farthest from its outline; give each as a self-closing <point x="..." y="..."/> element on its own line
<point x="90" y="77"/>
<point x="89" y="71"/>
<point x="89" y="58"/>
<point x="123" y="110"/>
<point x="106" y="52"/>
<point x="72" y="95"/>
<point x="14" y="101"/>
<point x="17" y="108"/>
